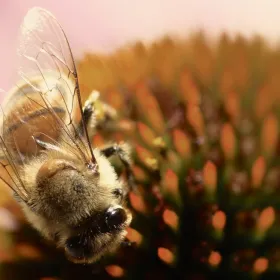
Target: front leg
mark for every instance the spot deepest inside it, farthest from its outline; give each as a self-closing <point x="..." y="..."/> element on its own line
<point x="122" y="151"/>
<point x="96" y="114"/>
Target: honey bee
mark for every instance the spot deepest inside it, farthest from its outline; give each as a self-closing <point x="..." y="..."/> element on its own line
<point x="68" y="190"/>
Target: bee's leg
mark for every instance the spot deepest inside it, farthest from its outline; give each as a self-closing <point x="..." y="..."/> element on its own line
<point x="122" y="151"/>
<point x="97" y="115"/>
<point x="88" y="118"/>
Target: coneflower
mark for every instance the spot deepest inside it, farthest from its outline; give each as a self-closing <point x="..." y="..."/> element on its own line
<point x="203" y="121"/>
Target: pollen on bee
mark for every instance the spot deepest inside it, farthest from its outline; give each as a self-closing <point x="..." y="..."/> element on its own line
<point x="115" y="271"/>
<point x="166" y="255"/>
<point x="134" y="236"/>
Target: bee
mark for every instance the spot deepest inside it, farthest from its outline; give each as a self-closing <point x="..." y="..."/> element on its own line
<point x="68" y="190"/>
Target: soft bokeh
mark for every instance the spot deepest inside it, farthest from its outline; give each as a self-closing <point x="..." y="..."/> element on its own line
<point x="208" y="176"/>
<point x="103" y="25"/>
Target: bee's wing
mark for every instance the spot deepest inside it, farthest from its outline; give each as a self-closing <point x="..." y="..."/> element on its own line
<point x="44" y="104"/>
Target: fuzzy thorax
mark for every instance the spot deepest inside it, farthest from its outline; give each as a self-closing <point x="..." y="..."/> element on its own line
<point x="65" y="195"/>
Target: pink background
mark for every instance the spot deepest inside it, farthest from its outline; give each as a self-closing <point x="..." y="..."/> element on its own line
<point x="102" y="25"/>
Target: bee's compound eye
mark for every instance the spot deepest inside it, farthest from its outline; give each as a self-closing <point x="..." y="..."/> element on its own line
<point x="118" y="193"/>
<point x="115" y="217"/>
<point x="78" y="247"/>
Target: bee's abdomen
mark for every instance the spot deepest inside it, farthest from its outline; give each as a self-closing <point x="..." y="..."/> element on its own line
<point x="27" y="114"/>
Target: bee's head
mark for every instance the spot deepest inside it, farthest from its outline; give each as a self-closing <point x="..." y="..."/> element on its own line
<point x="97" y="235"/>
<point x="84" y="210"/>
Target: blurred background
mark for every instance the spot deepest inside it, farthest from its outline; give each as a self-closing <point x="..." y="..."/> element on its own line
<point x="105" y="25"/>
<point x="196" y="85"/>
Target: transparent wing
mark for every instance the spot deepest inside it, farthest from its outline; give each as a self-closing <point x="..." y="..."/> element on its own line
<point x="46" y="103"/>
